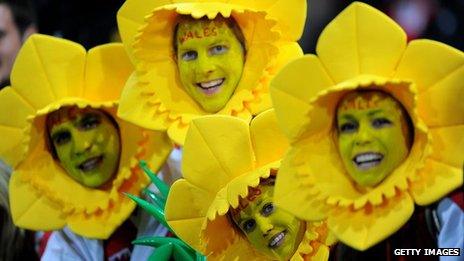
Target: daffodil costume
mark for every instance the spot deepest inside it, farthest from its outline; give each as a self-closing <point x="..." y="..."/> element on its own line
<point x="50" y="73"/>
<point x="223" y="157"/>
<point x="364" y="49"/>
<point x="154" y="97"/>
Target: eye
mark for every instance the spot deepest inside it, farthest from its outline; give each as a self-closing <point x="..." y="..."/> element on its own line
<point x="189" y="55"/>
<point x="249" y="225"/>
<point x="61" y="137"/>
<point x="348" y="127"/>
<point x="89" y="121"/>
<point x="267" y="209"/>
<point x="218" y="49"/>
<point x="381" y="123"/>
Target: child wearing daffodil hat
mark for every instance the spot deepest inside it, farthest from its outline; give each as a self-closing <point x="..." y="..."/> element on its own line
<point x="71" y="156"/>
<point x="376" y="125"/>
<point x="204" y="57"/>
<point x="224" y="205"/>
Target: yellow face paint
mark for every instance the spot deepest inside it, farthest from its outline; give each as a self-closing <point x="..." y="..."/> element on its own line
<point x="87" y="144"/>
<point x="372" y="136"/>
<point x="271" y="231"/>
<point x="210" y="60"/>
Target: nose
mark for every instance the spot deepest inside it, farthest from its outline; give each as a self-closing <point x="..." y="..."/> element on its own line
<point x="363" y="137"/>
<point x="82" y="144"/>
<point x="205" y="65"/>
<point x="264" y="225"/>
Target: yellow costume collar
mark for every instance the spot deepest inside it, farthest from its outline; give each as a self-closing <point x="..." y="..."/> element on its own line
<point x="223" y="156"/>
<point x="154" y="98"/>
<point x="360" y="48"/>
<point x="50" y="73"/>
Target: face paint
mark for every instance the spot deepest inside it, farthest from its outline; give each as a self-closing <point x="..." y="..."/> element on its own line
<point x="87" y="144"/>
<point x="372" y="136"/>
<point x="210" y="60"/>
<point x="271" y="231"/>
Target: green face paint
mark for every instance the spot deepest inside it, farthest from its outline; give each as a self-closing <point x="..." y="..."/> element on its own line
<point x="270" y="230"/>
<point x="87" y="144"/>
<point x="372" y="136"/>
<point x="210" y="60"/>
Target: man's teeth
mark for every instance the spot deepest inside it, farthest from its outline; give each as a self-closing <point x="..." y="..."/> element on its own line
<point x="91" y="163"/>
<point x="366" y="161"/>
<point x="211" y="84"/>
<point x="277" y="240"/>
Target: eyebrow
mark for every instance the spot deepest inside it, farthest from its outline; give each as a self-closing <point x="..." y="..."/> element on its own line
<point x="371" y="113"/>
<point x="348" y="117"/>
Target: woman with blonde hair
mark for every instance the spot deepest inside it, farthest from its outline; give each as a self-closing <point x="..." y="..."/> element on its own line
<point x="15" y="243"/>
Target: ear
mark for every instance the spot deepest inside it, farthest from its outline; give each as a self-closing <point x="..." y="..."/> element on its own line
<point x="31" y="29"/>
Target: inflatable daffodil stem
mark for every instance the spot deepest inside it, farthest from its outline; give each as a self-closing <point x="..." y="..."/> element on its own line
<point x="162" y="187"/>
<point x="155" y="211"/>
<point x="155" y="198"/>
<point x="161" y="253"/>
<point x="166" y="247"/>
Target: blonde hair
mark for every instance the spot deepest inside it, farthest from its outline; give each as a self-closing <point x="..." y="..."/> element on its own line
<point x="11" y="237"/>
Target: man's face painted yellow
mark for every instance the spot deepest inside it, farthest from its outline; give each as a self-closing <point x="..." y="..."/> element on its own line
<point x="372" y="136"/>
<point x="271" y="231"/>
<point x="87" y="144"/>
<point x="210" y="60"/>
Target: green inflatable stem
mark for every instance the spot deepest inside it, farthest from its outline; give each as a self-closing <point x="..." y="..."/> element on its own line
<point x="155" y="211"/>
<point x="163" y="188"/>
<point x="155" y="198"/>
<point x="162" y="253"/>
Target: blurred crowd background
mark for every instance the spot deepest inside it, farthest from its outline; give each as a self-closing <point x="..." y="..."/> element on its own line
<point x="94" y="22"/>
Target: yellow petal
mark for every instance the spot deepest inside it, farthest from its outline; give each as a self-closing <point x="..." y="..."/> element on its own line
<point x="448" y="145"/>
<point x="437" y="179"/>
<point x="101" y="224"/>
<point x="58" y="67"/>
<point x="186" y="210"/>
<point x="131" y="16"/>
<point x="366" y="227"/>
<point x="32" y="210"/>
<point x="292" y="194"/>
<point x="287" y="52"/>
<point x="131" y="95"/>
<point x="12" y="125"/>
<point x="269" y="143"/>
<point x="106" y="71"/>
<point x="437" y="70"/>
<point x="290" y="16"/>
<point x="219" y="145"/>
<point x="291" y="92"/>
<point x="360" y="40"/>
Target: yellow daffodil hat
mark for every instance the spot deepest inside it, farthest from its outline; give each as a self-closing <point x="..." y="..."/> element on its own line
<point x="223" y="157"/>
<point x="50" y="73"/>
<point x="359" y="49"/>
<point x="154" y="96"/>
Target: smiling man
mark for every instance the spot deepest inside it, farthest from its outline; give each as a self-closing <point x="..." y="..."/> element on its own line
<point x="374" y="135"/>
<point x="210" y="59"/>
<point x="86" y="143"/>
<point x="273" y="232"/>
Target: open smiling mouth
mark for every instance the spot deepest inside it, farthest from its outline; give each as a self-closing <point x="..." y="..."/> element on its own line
<point x="277" y="240"/>
<point x="365" y="161"/>
<point x="211" y="87"/>
<point x="91" y="163"/>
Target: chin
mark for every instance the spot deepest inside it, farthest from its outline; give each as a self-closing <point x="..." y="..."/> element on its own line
<point x="213" y="107"/>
